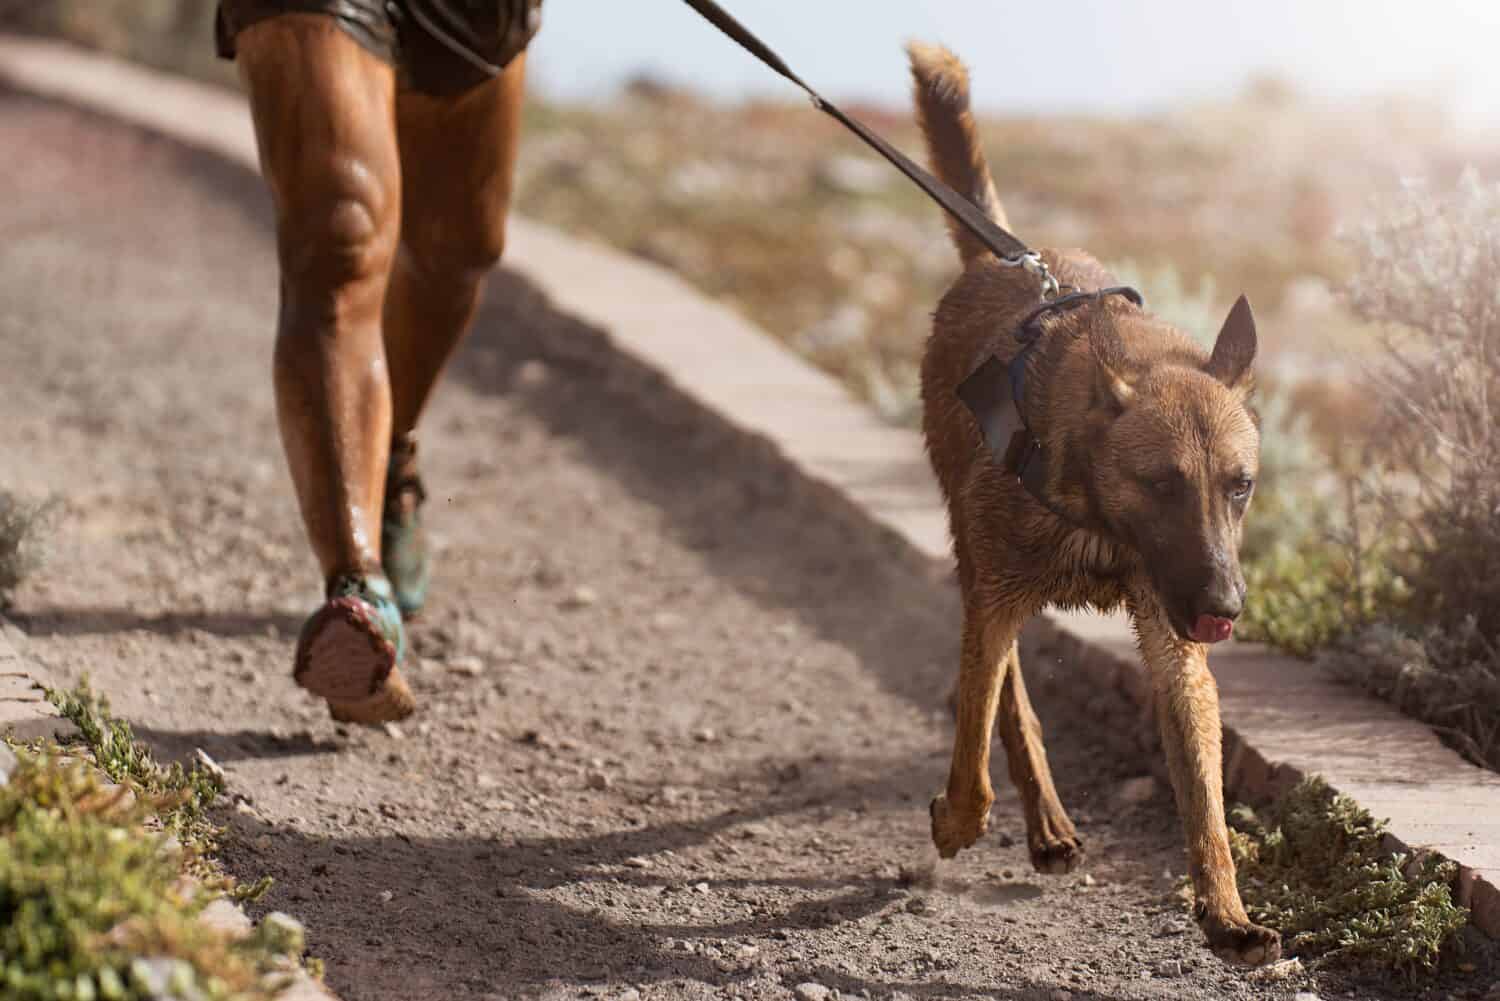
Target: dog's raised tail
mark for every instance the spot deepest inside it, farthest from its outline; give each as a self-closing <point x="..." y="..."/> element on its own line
<point x="941" y="87"/>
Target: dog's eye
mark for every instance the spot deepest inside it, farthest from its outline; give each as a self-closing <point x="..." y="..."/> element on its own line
<point x="1241" y="488"/>
<point x="1164" y="487"/>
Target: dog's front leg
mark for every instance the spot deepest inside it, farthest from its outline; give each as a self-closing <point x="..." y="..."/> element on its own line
<point x="962" y="814"/>
<point x="1050" y="836"/>
<point x="1187" y="710"/>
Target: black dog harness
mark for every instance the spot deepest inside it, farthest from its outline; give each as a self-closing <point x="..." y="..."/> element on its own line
<point x="995" y="391"/>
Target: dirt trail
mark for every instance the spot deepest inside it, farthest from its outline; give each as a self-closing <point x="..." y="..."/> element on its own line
<point x="681" y="713"/>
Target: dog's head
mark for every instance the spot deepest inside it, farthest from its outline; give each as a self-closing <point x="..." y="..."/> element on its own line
<point x="1174" y="462"/>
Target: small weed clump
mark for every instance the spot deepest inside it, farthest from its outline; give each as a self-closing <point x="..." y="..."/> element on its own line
<point x="1311" y="865"/>
<point x="181" y="796"/>
<point x="22" y="527"/>
<point x="102" y="882"/>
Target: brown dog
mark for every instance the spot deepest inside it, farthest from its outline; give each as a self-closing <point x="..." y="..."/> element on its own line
<point x="1150" y="458"/>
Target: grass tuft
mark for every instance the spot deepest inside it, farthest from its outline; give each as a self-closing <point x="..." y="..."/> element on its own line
<point x="103" y="877"/>
<point x="1312" y="865"/>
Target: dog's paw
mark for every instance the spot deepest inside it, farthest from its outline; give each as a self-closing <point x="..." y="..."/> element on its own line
<point x="1056" y="855"/>
<point x="953" y="829"/>
<point x="1243" y="944"/>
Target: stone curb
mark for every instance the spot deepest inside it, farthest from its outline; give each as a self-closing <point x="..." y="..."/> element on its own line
<point x="1392" y="765"/>
<point x="26" y="716"/>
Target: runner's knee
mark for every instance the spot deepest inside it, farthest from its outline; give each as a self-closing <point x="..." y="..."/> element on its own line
<point x="339" y="229"/>
<point x="468" y="250"/>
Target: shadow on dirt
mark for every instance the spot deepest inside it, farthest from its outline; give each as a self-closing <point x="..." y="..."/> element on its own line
<point x="594" y="910"/>
<point x="783" y="540"/>
<point x="105" y="621"/>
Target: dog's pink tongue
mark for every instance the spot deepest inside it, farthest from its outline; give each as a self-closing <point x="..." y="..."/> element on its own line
<point x="1212" y="629"/>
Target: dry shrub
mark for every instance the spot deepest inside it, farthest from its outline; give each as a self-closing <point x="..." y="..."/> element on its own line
<point x="1430" y="274"/>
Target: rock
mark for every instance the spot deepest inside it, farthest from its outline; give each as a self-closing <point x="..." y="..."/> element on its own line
<point x="811" y="992"/>
<point x="283" y="933"/>
<point x="386" y="896"/>
<point x="636" y="862"/>
<point x="1138" y="790"/>
<point x="705" y="735"/>
<point x="209" y="765"/>
<point x="467" y="667"/>
<point x="629" y="995"/>
<point x="532" y="373"/>
<point x="1305" y="996"/>
<point x="1275" y="972"/>
<point x="598" y="780"/>
<point x="1060" y="995"/>
<point x="1169" y="968"/>
<point x="582" y="597"/>
<point x="700" y="887"/>
<point x="393" y="731"/>
<point x="1089" y="880"/>
<point x="163" y="979"/>
<point x="917" y="905"/>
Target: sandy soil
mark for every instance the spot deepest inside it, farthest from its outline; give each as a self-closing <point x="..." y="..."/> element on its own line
<point x="681" y="711"/>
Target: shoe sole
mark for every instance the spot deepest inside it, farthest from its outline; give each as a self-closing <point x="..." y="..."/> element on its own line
<point x="343" y="657"/>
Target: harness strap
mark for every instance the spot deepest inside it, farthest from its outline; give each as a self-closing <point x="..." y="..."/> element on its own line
<point x="996" y="395"/>
<point x="986" y="230"/>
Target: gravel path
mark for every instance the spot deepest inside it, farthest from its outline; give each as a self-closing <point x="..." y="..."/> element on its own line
<point x="681" y="712"/>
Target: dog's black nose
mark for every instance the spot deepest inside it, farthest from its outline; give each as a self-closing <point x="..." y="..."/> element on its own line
<point x="1222" y="600"/>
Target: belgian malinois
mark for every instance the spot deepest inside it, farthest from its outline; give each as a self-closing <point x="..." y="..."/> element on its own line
<point x="1146" y="454"/>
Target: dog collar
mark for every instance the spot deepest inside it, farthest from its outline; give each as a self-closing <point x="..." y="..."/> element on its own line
<point x="996" y="392"/>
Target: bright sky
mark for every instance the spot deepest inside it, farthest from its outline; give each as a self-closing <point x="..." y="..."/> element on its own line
<point x="1035" y="55"/>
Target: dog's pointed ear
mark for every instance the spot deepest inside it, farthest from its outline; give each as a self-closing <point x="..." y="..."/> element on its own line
<point x="1113" y="384"/>
<point x="1233" y="360"/>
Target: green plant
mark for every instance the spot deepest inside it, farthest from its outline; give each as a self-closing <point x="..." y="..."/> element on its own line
<point x="93" y="903"/>
<point x="181" y="796"/>
<point x="1312" y="865"/>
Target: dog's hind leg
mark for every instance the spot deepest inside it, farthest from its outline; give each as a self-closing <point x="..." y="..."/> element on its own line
<point x="961" y="815"/>
<point x="1187" y="710"/>
<point x="1054" y="844"/>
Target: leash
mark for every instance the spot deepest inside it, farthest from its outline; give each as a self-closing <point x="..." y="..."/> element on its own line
<point x="994" y="392"/>
<point x="1010" y="250"/>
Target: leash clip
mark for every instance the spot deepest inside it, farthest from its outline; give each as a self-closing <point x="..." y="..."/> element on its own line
<point x="1031" y="262"/>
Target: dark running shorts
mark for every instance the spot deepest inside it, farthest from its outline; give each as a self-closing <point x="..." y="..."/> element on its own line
<point x="440" y="47"/>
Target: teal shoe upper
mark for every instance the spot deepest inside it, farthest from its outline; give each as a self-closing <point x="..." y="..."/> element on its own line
<point x="404" y="553"/>
<point x="376" y="592"/>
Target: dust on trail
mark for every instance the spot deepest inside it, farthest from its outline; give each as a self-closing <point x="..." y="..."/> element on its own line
<point x="681" y="713"/>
